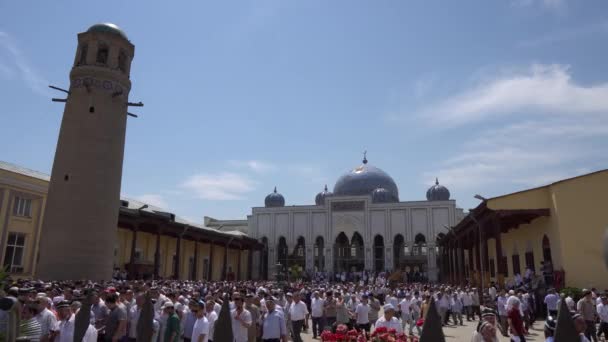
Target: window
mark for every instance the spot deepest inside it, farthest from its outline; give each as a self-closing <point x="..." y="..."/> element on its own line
<point x="504" y="265"/>
<point x="206" y="269"/>
<point x="102" y="54"/>
<point x="122" y="61"/>
<point x="22" y="207"/>
<point x="353" y="251"/>
<point x="406" y="250"/>
<point x="138" y="254"/>
<point x="13" y="257"/>
<point x="84" y="49"/>
<point x="516" y="266"/>
<point x="300" y="251"/>
<point x="530" y="260"/>
<point x="492" y="268"/>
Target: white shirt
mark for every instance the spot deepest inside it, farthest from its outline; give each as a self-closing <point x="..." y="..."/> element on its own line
<point x="211" y="318"/>
<point x="405" y="306"/>
<point x="47" y="321"/>
<point x="362" y="312"/>
<point x="316" y="306"/>
<point x="602" y="311"/>
<point x="392" y="324"/>
<point x="239" y="331"/>
<point x="133" y="318"/>
<point x="298" y="311"/>
<point x="201" y="327"/>
<point x="551" y="301"/>
<point x="466" y="299"/>
<point x="66" y="331"/>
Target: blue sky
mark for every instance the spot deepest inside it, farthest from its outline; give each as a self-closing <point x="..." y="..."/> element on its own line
<point x="240" y="96"/>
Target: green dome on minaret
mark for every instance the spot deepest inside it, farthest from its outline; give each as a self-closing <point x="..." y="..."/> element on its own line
<point x="109" y="28"/>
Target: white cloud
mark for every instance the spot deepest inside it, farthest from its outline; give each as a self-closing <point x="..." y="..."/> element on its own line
<point x="11" y="58"/>
<point x="551" y="128"/>
<point x="153" y="199"/>
<point x="257" y="166"/>
<point x="220" y="186"/>
<point x="542" y="89"/>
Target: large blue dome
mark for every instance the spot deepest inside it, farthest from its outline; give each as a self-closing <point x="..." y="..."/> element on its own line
<point x="363" y="180"/>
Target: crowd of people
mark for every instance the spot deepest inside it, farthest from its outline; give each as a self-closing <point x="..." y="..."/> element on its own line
<point x="273" y="311"/>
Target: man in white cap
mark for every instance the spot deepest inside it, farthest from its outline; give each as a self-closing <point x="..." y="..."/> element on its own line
<point x="388" y="320"/>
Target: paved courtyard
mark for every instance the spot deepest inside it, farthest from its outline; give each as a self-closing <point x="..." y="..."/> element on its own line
<point x="464" y="333"/>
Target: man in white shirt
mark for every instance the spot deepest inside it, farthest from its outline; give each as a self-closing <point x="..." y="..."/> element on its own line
<point x="67" y="324"/>
<point x="467" y="301"/>
<point x="134" y="316"/>
<point x="602" y="312"/>
<point x="46" y="318"/>
<point x="211" y="318"/>
<point x="200" y="332"/>
<point x="297" y="313"/>
<point x="501" y="307"/>
<point x="362" y="314"/>
<point x="551" y="300"/>
<point x="404" y="307"/>
<point x="241" y="319"/>
<point x="316" y="306"/>
<point x="388" y="320"/>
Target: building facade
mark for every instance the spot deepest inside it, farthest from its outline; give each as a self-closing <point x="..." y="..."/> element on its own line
<point x="360" y="226"/>
<point x="561" y="225"/>
<point x="149" y="241"/>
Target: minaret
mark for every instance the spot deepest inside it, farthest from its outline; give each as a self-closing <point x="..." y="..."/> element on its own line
<point x="80" y="221"/>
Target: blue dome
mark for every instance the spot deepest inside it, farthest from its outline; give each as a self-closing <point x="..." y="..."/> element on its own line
<point x="321" y="196"/>
<point x="274" y="199"/>
<point x="381" y="195"/>
<point x="363" y="180"/>
<point x="108" y="28"/>
<point x="438" y="192"/>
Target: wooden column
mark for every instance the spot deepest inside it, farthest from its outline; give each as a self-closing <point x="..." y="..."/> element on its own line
<point x="157" y="257"/>
<point x="461" y="258"/>
<point x="195" y="261"/>
<point x="249" y="264"/>
<point x="133" y="245"/>
<point x="238" y="264"/>
<point x="451" y="261"/>
<point x="500" y="271"/>
<point x="178" y="255"/>
<point x="210" y="275"/>
<point x="225" y="268"/>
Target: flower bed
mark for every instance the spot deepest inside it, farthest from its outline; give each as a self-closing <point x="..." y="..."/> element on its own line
<point x="381" y="334"/>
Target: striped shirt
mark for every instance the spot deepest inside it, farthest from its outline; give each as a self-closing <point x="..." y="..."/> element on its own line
<point x="30" y="329"/>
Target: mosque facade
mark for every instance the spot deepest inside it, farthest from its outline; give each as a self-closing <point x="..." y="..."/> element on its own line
<point x="360" y="226"/>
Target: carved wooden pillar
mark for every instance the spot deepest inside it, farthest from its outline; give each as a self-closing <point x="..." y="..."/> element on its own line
<point x="500" y="271"/>
<point x="249" y="263"/>
<point x="132" y="258"/>
<point x="238" y="263"/>
<point x="157" y="256"/>
<point x="178" y="256"/>
<point x="210" y="275"/>
<point x="225" y="268"/>
<point x="195" y="261"/>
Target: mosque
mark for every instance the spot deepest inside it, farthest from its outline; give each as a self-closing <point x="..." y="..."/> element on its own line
<point x="360" y="226"/>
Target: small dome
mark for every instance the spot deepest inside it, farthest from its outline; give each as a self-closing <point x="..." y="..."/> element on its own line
<point x="321" y="196"/>
<point x="437" y="192"/>
<point x="363" y="180"/>
<point x="381" y="195"/>
<point x="274" y="199"/>
<point x="108" y="28"/>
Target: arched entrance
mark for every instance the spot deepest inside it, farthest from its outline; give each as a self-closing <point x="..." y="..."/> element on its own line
<point x="297" y="260"/>
<point x="319" y="256"/>
<point x="349" y="255"/>
<point x="398" y="251"/>
<point x="379" y="253"/>
<point x="282" y="252"/>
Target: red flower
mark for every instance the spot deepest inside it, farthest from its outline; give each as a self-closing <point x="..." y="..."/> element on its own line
<point x="392" y="331"/>
<point x="342" y="328"/>
<point x="420" y="322"/>
<point x="381" y="330"/>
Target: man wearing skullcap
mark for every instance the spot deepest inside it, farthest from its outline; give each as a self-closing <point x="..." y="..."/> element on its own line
<point x="486" y="332"/>
<point x="67" y="323"/>
<point x="46" y="318"/>
<point x="550" y="325"/>
<point x="388" y="320"/>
